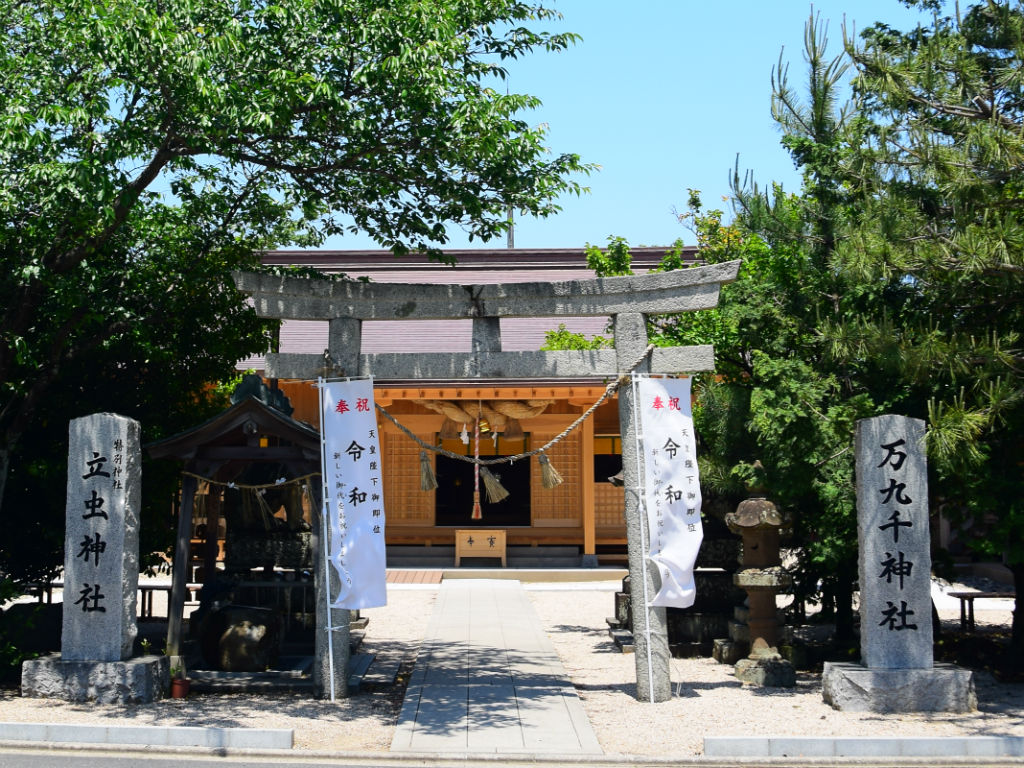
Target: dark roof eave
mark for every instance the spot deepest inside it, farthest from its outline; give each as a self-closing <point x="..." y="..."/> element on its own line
<point x="183" y="444"/>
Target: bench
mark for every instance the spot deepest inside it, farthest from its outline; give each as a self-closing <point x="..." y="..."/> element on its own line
<point x="479" y="542"/>
<point x="146" y="597"/>
<point x="967" y="604"/>
<point x="44" y="591"/>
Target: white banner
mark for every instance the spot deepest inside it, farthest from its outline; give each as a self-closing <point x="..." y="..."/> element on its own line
<point x="671" y="486"/>
<point x="353" y="492"/>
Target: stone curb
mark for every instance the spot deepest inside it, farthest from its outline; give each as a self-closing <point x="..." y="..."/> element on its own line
<point x="863" y="747"/>
<point x="149" y="735"/>
<point x="756" y="748"/>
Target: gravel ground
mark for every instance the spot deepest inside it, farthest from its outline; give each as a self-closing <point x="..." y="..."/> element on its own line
<point x="709" y="700"/>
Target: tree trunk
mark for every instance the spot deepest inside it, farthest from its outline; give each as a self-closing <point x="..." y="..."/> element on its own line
<point x="844" y="612"/>
<point x="1017" y="633"/>
<point x="6" y="453"/>
<point x="5" y="465"/>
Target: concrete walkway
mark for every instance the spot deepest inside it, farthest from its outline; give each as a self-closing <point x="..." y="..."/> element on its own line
<point x="487" y="679"/>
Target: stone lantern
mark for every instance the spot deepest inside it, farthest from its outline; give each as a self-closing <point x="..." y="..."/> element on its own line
<point x="758" y="521"/>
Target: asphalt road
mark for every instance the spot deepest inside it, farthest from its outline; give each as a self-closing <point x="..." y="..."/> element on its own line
<point x="44" y="756"/>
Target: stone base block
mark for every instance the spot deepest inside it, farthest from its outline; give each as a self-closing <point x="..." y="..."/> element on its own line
<point x="623" y="638"/>
<point x="768" y="671"/>
<point x="133" y="681"/>
<point x="855" y="688"/>
<point x="739" y="632"/>
<point x="700" y="627"/>
<point x="688" y="650"/>
<point x="729" y="651"/>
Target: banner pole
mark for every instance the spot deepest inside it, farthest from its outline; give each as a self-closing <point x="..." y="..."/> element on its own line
<point x="645" y="534"/>
<point x="330" y="619"/>
<point x="324" y="546"/>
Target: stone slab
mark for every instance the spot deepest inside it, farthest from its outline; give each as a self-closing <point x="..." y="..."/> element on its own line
<point x="553" y="720"/>
<point x="729" y="651"/>
<point x="774" y="672"/>
<point x="133" y="681"/>
<point x="493" y="717"/>
<point x="623" y="638"/>
<point x="855" y="688"/>
<point x="737" y="746"/>
<point x="862" y="747"/>
<point x="442" y="719"/>
<point x="149" y="735"/>
<point x="505" y="691"/>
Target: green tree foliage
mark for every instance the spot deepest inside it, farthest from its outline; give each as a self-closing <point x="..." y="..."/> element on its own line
<point x="785" y="393"/>
<point x="788" y="388"/>
<point x="563" y="338"/>
<point x="938" y="172"/>
<point x="805" y="391"/>
<point x="778" y="394"/>
<point x="147" y="149"/>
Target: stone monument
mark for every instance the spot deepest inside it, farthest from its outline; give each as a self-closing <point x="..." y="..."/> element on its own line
<point x="896" y="673"/>
<point x="101" y="574"/>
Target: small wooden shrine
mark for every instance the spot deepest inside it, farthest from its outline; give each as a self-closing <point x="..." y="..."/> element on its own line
<point x="250" y="485"/>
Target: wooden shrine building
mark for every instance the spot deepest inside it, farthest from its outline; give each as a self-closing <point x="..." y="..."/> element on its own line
<point x="254" y="445"/>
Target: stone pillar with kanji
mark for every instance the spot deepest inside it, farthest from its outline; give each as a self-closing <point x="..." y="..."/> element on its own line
<point x="896" y="672"/>
<point x="101" y="573"/>
<point x="101" y="540"/>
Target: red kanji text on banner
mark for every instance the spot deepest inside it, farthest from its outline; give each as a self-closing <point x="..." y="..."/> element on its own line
<point x="353" y="493"/>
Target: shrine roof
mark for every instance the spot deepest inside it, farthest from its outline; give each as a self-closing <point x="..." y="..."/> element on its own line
<point x="240" y="426"/>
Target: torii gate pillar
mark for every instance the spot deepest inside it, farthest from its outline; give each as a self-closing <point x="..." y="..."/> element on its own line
<point x="653" y="681"/>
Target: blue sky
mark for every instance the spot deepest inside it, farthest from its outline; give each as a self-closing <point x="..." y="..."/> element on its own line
<point x="663" y="95"/>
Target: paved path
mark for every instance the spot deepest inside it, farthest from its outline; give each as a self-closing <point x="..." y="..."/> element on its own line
<point x="487" y="679"/>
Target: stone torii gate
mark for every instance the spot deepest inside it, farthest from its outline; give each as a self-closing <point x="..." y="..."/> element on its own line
<point x="345" y="304"/>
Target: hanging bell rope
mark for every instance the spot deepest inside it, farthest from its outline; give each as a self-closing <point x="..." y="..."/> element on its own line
<point x="428" y="481"/>
<point x="477" y="511"/>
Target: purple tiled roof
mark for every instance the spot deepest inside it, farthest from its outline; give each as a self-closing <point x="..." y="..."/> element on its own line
<point x="472" y="267"/>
